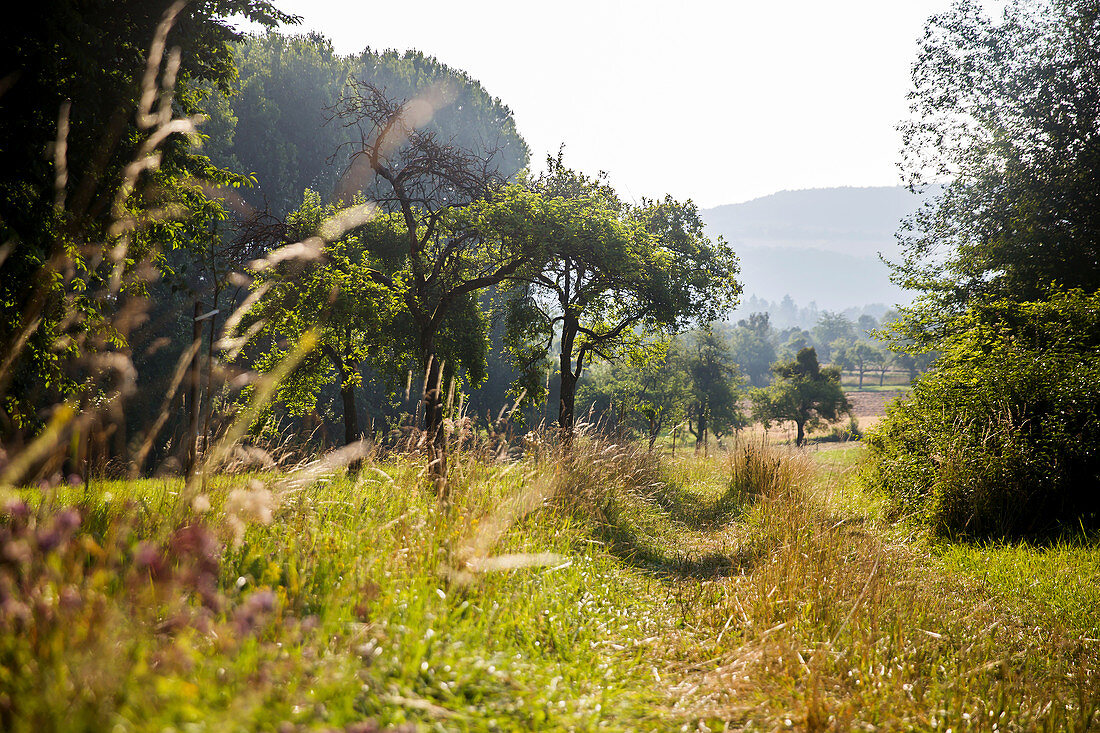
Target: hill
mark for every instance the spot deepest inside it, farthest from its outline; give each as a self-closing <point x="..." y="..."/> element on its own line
<point x="817" y="245"/>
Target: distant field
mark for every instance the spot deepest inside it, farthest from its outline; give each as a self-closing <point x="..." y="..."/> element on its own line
<point x="892" y="380"/>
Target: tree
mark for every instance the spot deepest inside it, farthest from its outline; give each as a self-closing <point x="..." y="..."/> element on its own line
<point x="652" y="392"/>
<point x="1005" y="259"/>
<point x="881" y="360"/>
<point x="862" y="357"/>
<point x="831" y="327"/>
<point x="457" y="240"/>
<point x="715" y="388"/>
<point x="616" y="277"/>
<point x="914" y="363"/>
<point x="865" y="324"/>
<point x="278" y="123"/>
<point x="1000" y="439"/>
<point x="110" y="90"/>
<point x="355" y="319"/>
<point x="1007" y="114"/>
<point x="751" y="343"/>
<point x="804" y="393"/>
<point x="793" y="340"/>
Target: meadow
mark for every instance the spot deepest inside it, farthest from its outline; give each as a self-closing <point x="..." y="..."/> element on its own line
<point x="760" y="588"/>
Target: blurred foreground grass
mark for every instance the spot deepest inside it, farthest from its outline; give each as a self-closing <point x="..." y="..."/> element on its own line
<point x="759" y="589"/>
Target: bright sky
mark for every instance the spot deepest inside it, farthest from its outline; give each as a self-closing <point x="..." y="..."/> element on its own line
<point x="715" y="101"/>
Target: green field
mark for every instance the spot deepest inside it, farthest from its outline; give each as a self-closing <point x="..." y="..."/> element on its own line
<point x="757" y="590"/>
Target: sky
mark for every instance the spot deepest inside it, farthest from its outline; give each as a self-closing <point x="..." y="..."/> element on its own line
<point x="719" y="102"/>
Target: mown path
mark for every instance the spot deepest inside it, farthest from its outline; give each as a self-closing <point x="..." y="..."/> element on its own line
<point x="802" y="607"/>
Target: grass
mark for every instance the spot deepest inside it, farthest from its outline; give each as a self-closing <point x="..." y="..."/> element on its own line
<point x="757" y="590"/>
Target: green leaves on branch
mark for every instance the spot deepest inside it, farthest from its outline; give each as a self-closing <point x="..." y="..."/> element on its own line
<point x="1000" y="440"/>
<point x="803" y="393"/>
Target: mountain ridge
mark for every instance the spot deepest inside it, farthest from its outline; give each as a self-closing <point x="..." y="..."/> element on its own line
<point x="818" y="245"/>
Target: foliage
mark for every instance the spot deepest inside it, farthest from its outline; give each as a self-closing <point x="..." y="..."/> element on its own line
<point x="752" y="345"/>
<point x="118" y="186"/>
<point x="1000" y="439"/>
<point x="615" y="278"/>
<point x="997" y="440"/>
<point x="832" y="327"/>
<point x="858" y="357"/>
<point x="464" y="229"/>
<point x="715" y="387"/>
<point x="651" y="393"/>
<point x="281" y="122"/>
<point x="803" y="392"/>
<point x="359" y="320"/>
<point x="1007" y="112"/>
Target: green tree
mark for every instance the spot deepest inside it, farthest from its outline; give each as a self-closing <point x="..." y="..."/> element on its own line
<point x="881" y="360"/>
<point x="862" y="356"/>
<point x="752" y="344"/>
<point x="355" y="319"/>
<point x="793" y="340"/>
<point x="1007" y="113"/>
<point x="865" y="324"/>
<point x="715" y="388"/>
<point x="831" y="327"/>
<point x="87" y="82"/>
<point x="653" y="392"/>
<point x="1000" y="439"/>
<point x="914" y="364"/>
<point x="463" y="230"/>
<point x="616" y="276"/>
<point x="277" y="124"/>
<point x="804" y="393"/>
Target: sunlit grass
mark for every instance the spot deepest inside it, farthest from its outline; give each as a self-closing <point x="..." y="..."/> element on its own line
<point x="745" y="589"/>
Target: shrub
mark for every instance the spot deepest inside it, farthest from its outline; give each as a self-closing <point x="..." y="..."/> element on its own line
<point x="1002" y="438"/>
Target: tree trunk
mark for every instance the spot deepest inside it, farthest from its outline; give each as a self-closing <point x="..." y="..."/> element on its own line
<point x="351" y="416"/>
<point x="568" y="396"/>
<point x="195" y="388"/>
<point x="432" y="398"/>
<point x="861" y="378"/>
<point x="701" y="431"/>
<point x="800" y="438"/>
<point x="432" y="403"/>
<point x="566" y="403"/>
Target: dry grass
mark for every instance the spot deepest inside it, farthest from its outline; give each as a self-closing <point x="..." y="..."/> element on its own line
<point x="853" y="624"/>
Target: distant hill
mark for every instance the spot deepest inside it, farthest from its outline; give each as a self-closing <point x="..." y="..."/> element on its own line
<point x="817" y="244"/>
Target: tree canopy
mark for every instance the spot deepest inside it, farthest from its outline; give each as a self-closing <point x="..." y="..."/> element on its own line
<point x="803" y="392"/>
<point x="1007" y="112"/>
<point x="615" y="276"/>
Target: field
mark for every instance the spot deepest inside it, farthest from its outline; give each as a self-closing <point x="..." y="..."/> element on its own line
<point x="758" y="589"/>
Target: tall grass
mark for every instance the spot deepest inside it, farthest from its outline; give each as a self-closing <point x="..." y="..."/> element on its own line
<point x="846" y="624"/>
<point x="599" y="588"/>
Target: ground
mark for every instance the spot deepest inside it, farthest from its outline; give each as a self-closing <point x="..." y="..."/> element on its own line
<point x="758" y="589"/>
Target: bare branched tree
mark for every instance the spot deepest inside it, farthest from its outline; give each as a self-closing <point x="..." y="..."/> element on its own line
<point x="425" y="181"/>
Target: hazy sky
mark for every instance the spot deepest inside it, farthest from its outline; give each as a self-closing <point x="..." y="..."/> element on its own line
<point x="715" y="101"/>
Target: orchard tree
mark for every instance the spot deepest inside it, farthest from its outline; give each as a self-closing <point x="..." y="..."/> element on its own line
<point x="715" y="388"/>
<point x="615" y="277"/>
<point x="832" y="327"/>
<point x="752" y="345"/>
<point x="861" y="357"/>
<point x="463" y="230"/>
<point x="881" y="360"/>
<point x="356" y="320"/>
<point x="653" y="392"/>
<point x="804" y="393"/>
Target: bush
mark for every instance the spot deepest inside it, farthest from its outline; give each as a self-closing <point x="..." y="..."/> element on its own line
<point x="1002" y="438"/>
